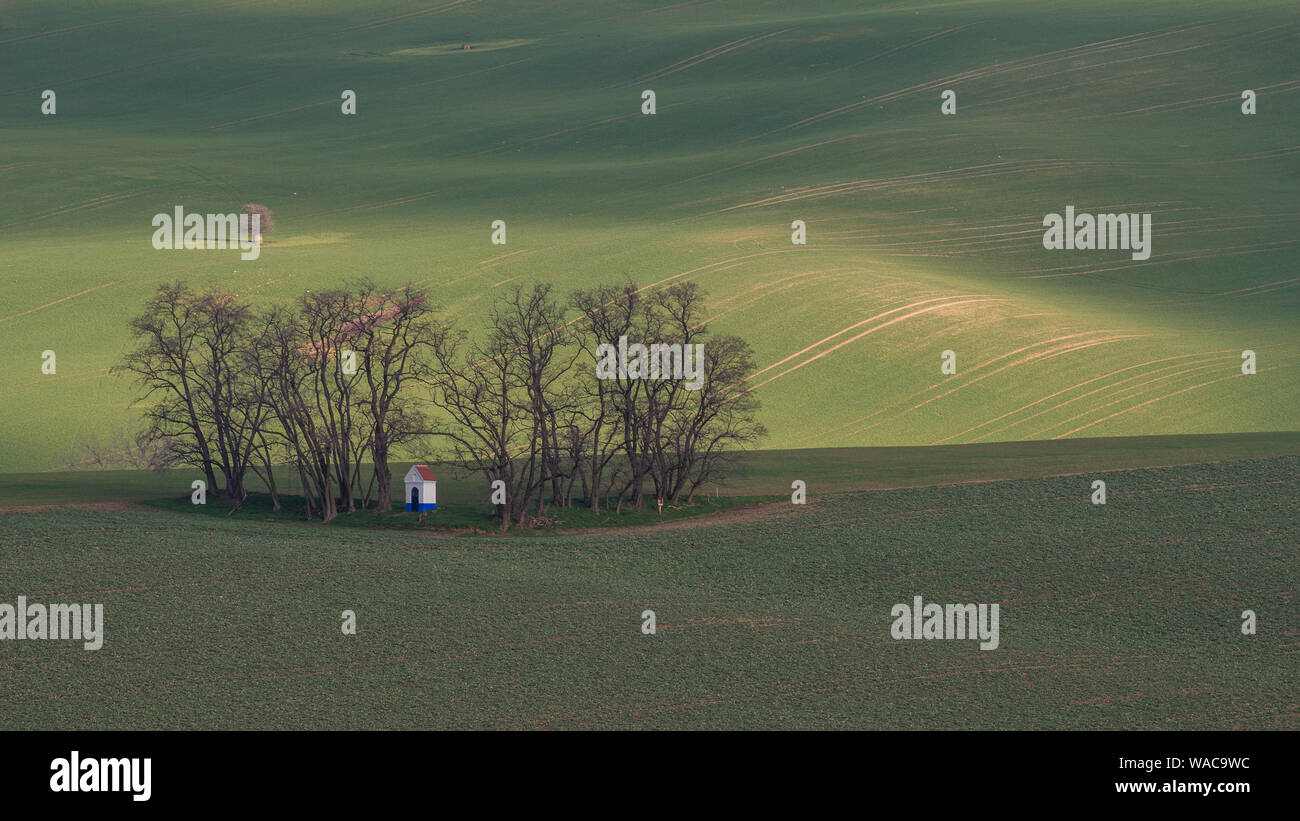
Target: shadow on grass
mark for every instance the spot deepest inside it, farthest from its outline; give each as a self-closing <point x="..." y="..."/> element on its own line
<point x="462" y="517"/>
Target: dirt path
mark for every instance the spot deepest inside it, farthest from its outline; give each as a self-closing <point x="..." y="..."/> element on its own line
<point x="74" y="506"/>
<point x="746" y="514"/>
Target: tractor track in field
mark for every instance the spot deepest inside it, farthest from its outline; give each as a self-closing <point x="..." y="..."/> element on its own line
<point x="119" y="505"/>
<point x="1033" y="65"/>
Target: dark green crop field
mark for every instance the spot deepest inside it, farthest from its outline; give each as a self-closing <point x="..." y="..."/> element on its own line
<point x="1126" y="615"/>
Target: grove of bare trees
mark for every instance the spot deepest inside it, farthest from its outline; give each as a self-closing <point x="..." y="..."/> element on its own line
<point x="338" y="384"/>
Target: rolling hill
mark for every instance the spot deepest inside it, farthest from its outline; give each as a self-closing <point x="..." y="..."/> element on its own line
<point x="924" y="230"/>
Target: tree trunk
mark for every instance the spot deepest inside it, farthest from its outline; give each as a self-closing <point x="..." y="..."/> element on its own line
<point x="384" y="476"/>
<point x="306" y="490"/>
<point x="270" y="485"/>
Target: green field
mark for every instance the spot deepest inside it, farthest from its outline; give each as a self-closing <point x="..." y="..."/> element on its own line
<point x="1123" y="616"/>
<point x="924" y="235"/>
<point x="768" y="112"/>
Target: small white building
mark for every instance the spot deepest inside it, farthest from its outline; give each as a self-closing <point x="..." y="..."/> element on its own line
<point x="421" y="489"/>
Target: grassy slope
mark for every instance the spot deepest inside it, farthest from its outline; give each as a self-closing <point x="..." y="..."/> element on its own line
<point x="1122" y="616"/>
<point x="213" y="106"/>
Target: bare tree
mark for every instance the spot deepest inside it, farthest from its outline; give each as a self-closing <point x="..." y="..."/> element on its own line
<point x="715" y="424"/>
<point x="607" y="312"/>
<point x="167" y="334"/>
<point x="282" y="359"/>
<point x="394" y="340"/>
<point x="120" y="448"/>
<point x="232" y="400"/>
<point x="203" y="406"/>
<point x="530" y="324"/>
<point x="661" y="430"/>
<point x="486" y="424"/>
<point x="266" y="218"/>
<point x="329" y="322"/>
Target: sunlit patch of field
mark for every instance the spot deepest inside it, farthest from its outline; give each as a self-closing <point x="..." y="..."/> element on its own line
<point x="767" y="113"/>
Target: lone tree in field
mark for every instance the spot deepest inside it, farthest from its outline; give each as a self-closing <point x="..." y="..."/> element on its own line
<point x="266" y="219"/>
